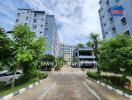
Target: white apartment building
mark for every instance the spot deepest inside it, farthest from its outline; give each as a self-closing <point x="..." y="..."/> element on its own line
<point x="42" y="25"/>
<point x="113" y="25"/>
<point x="66" y="51"/>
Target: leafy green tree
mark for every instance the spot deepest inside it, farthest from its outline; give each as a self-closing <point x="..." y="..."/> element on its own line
<point x="28" y="50"/>
<point x="80" y="45"/>
<point x="48" y="61"/>
<point x="116" y="54"/>
<point x="48" y="57"/>
<point x="6" y="49"/>
<point x="94" y="43"/>
<point x="60" y="60"/>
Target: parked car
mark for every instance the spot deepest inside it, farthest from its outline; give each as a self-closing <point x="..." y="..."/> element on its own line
<point x="7" y="76"/>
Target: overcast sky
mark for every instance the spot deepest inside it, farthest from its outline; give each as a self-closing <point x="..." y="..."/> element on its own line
<point x="75" y="18"/>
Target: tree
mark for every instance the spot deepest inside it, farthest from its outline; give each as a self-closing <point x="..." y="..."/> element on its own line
<point x="48" y="57"/>
<point x="60" y="60"/>
<point x="48" y="61"/>
<point x="28" y="50"/>
<point x="94" y="43"/>
<point x="80" y="45"/>
<point x="116" y="54"/>
<point x="6" y="49"/>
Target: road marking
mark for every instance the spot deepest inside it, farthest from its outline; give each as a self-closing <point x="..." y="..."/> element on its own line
<point x="69" y="90"/>
<point x="92" y="91"/>
<point x="46" y="91"/>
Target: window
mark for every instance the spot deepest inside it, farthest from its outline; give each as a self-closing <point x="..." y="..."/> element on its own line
<point x="35" y="20"/>
<point x="123" y="21"/>
<point x="27" y="12"/>
<point x="46" y="24"/>
<point x="111" y="19"/>
<point x="109" y="10"/>
<point x="42" y="19"/>
<point x="18" y="14"/>
<point x="34" y="26"/>
<point x="17" y="20"/>
<point x="46" y="29"/>
<point x="26" y="18"/>
<point x="25" y="24"/>
<point x="100" y="2"/>
<point x="40" y="32"/>
<point x="35" y="15"/>
<point x="104" y="24"/>
<point x="101" y="9"/>
<point x="113" y="30"/>
<point x="41" y="25"/>
<point x="107" y="2"/>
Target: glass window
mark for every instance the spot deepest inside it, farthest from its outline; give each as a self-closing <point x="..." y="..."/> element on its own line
<point x="123" y="21"/>
<point x="114" y="30"/>
<point x="17" y="20"/>
<point x="35" y="20"/>
<point x="26" y="18"/>
<point x="46" y="29"/>
<point x="18" y="14"/>
<point x="34" y="26"/>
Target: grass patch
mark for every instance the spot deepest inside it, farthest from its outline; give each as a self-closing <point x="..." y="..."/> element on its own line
<point x="9" y="90"/>
<point x="5" y="90"/>
<point x="116" y="82"/>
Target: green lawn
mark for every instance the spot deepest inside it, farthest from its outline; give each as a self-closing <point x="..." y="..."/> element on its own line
<point x="9" y="90"/>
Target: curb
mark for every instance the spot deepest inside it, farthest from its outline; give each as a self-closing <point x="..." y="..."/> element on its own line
<point x="9" y="96"/>
<point x="112" y="89"/>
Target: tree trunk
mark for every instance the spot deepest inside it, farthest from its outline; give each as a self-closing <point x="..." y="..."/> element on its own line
<point x="13" y="79"/>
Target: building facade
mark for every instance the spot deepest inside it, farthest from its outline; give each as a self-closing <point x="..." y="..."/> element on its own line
<point x="84" y="57"/>
<point x="66" y="51"/>
<point x="43" y="25"/>
<point x="52" y="36"/>
<point x="113" y="25"/>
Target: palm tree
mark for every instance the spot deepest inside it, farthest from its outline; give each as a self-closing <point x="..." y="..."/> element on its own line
<point x="94" y="43"/>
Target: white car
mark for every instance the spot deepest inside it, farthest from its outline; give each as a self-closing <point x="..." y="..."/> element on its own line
<point x="6" y="76"/>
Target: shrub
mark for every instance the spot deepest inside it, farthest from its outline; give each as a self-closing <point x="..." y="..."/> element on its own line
<point x="58" y="68"/>
<point x="119" y="81"/>
<point x="94" y="75"/>
<point x="42" y="75"/>
<point x="2" y="85"/>
<point x="116" y="80"/>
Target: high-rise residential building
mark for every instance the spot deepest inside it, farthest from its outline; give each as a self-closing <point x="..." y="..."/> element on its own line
<point x="52" y="36"/>
<point x="112" y="25"/>
<point x="42" y="25"/>
<point x="66" y="51"/>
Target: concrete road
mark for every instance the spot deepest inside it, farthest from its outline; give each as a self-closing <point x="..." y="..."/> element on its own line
<point x="68" y="87"/>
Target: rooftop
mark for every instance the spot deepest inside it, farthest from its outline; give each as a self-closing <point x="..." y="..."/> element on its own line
<point x="37" y="11"/>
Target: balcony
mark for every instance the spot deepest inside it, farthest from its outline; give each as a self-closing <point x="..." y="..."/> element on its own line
<point x="82" y="56"/>
<point x="87" y="62"/>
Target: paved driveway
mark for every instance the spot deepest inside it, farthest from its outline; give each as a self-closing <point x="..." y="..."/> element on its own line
<point x="68" y="87"/>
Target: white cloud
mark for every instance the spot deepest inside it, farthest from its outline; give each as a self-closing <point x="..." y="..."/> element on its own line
<point x="77" y="18"/>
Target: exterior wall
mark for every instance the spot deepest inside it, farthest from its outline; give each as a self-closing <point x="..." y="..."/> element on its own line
<point x="84" y="56"/>
<point x="66" y="51"/>
<point x="108" y="21"/>
<point x="34" y="19"/>
<point x="42" y="25"/>
<point x="52" y="36"/>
